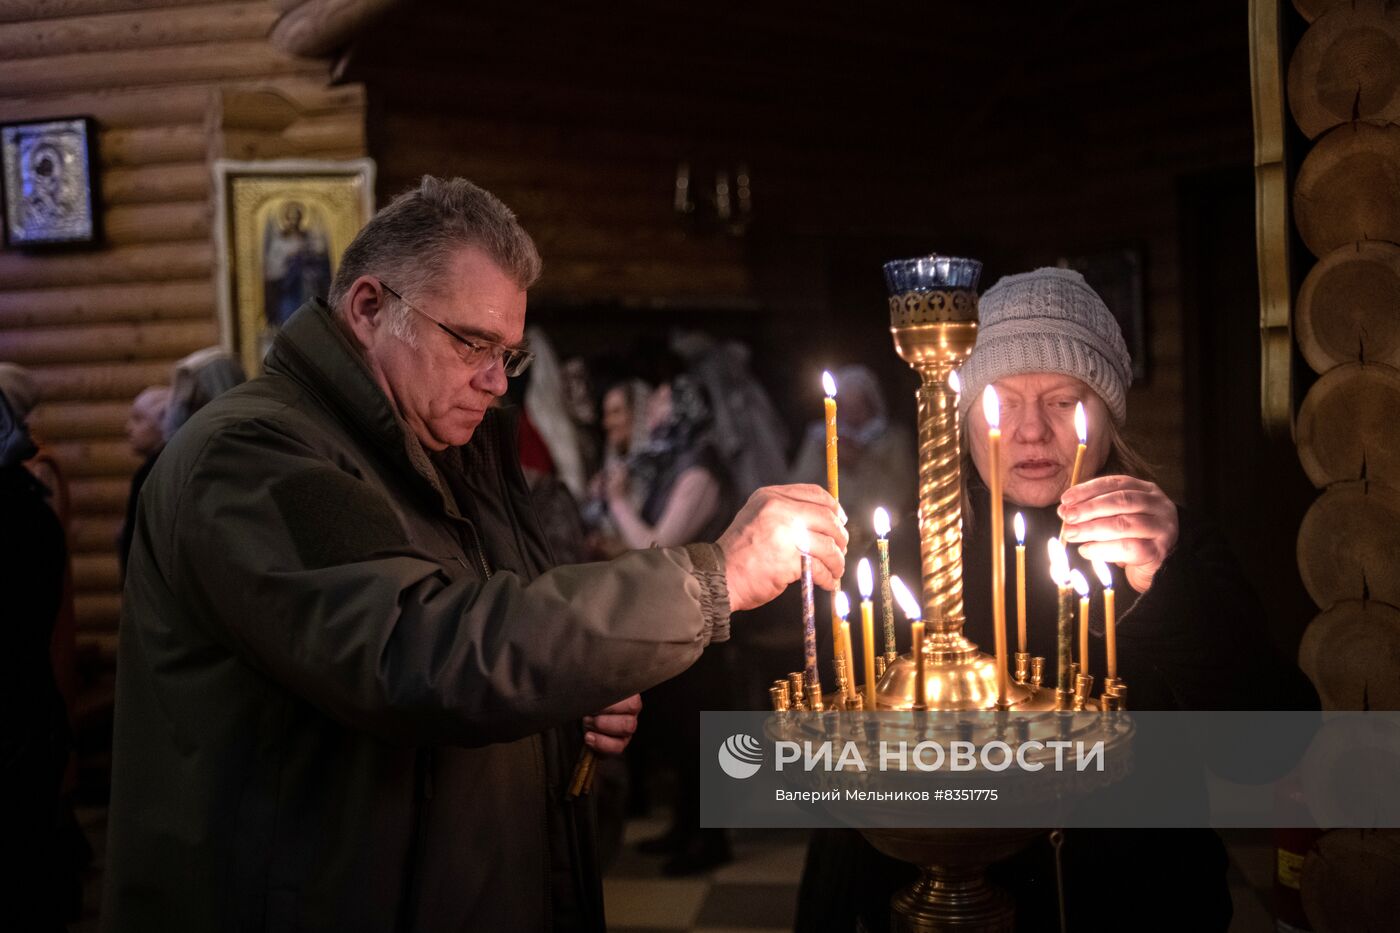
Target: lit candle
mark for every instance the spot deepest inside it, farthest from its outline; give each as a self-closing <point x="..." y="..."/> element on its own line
<point x="882" y="543"/>
<point x="1081" y="586"/>
<point x="832" y="484"/>
<point x="850" y="693"/>
<point x="833" y="487"/>
<point x="1064" y="637"/>
<point x="809" y="618"/>
<point x="1081" y="427"/>
<point x="1020" y="525"/>
<point x="910" y="605"/>
<point x="867" y="628"/>
<point x="955" y="382"/>
<point x="991" y="409"/>
<point x="841" y="643"/>
<point x="1110" y="636"/>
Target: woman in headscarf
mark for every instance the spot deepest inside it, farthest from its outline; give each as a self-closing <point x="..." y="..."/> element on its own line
<point x="197" y="380"/>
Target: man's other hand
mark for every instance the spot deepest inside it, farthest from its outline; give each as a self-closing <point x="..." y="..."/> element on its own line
<point x="761" y="555"/>
<point x="608" y="732"/>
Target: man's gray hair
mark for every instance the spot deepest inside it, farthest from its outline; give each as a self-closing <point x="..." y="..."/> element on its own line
<point x="411" y="241"/>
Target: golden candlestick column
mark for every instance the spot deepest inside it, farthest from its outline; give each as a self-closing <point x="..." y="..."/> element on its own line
<point x="991" y="409"/>
<point x="1110" y="621"/>
<point x="867" y="628"/>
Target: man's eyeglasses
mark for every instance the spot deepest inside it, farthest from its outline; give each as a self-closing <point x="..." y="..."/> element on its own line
<point x="476" y="350"/>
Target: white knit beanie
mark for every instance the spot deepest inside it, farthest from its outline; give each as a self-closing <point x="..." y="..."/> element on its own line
<point x="1048" y="321"/>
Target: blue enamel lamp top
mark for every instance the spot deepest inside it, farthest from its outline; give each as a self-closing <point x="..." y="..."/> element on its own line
<point x="926" y="273"/>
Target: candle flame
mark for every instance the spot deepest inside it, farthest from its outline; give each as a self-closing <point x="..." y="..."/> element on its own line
<point x="955" y="382"/>
<point x="1059" y="562"/>
<point x="843" y="604"/>
<point x="1081" y="585"/>
<point x="906" y="599"/>
<point x="1020" y="525"/>
<point x="882" y="522"/>
<point x="802" y="539"/>
<point x="1104" y="574"/>
<point x="991" y="407"/>
<point x="1081" y="423"/>
<point x="864" y="580"/>
<point x="828" y="384"/>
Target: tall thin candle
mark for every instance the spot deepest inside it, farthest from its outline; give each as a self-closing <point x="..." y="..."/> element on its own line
<point x="867" y="628"/>
<point x="841" y="646"/>
<point x="809" y="619"/>
<point x="1064" y="637"/>
<point x="882" y="544"/>
<point x="833" y="486"/>
<point x="1020" y="525"/>
<point x="1081" y="427"/>
<point x="991" y="409"/>
<point x="1110" y="621"/>
<point x="1081" y="586"/>
<point x="914" y="613"/>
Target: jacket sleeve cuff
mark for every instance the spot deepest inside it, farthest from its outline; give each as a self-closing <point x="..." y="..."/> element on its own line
<point x="707" y="566"/>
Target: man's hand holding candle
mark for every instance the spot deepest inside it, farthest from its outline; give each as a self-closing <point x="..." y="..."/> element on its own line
<point x="760" y="554"/>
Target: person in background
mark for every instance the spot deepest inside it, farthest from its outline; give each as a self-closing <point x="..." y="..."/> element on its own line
<point x="685" y="493"/>
<point x="145" y="435"/>
<point x="624" y="424"/>
<point x="196" y="381"/>
<point x="38" y="882"/>
<point x="878" y="463"/>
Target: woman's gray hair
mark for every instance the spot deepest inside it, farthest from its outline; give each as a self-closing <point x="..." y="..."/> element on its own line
<point x="411" y="241"/>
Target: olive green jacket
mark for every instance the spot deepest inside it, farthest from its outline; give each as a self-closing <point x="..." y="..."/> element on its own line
<point x="342" y="664"/>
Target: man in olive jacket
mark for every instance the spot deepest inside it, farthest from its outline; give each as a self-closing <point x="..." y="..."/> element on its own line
<point x="350" y="685"/>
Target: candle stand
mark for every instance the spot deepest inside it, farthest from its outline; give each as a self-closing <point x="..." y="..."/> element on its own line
<point x="933" y="318"/>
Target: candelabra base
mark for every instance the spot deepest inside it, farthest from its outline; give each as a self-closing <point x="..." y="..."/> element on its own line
<point x="952" y="892"/>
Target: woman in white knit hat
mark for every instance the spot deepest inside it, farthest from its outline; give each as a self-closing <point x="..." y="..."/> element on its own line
<point x="1191" y="632"/>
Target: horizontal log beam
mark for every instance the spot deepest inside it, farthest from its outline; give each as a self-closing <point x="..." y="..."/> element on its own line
<point x="92" y="458"/>
<point x="154" y="184"/>
<point x="96" y="573"/>
<point x="173" y="65"/>
<point x="97" y="382"/>
<point x="80" y="420"/>
<point x="170" y="222"/>
<point x="139" y="29"/>
<point x="108" y="304"/>
<point x="146" y="145"/>
<point x="18" y="11"/>
<point x="159" y="262"/>
<point x="107" y="343"/>
<point x="98" y="495"/>
<point x="97" y="611"/>
<point x="96" y="533"/>
<point x="120" y="107"/>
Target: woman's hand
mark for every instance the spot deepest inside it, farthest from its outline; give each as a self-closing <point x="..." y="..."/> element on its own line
<point x="1121" y="520"/>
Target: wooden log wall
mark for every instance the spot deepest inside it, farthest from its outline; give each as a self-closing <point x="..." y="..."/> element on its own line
<point x="172" y="85"/>
<point x="1344" y="94"/>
